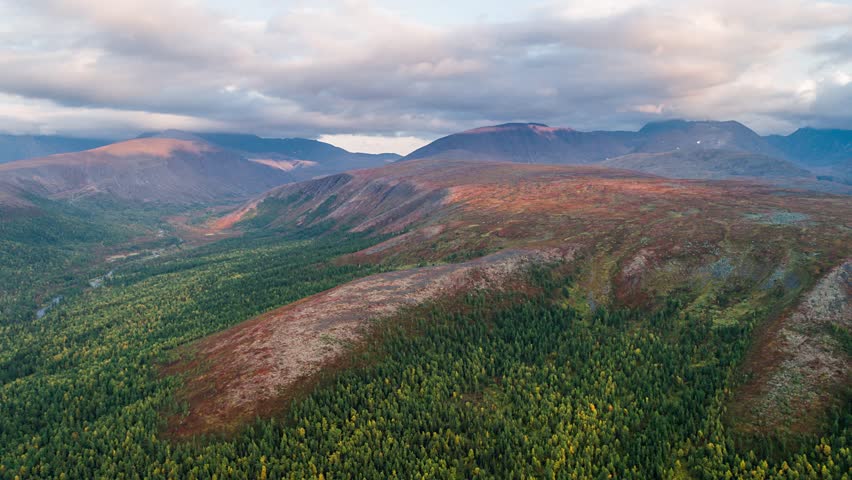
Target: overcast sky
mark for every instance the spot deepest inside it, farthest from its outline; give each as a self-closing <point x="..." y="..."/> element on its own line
<point x="384" y="75"/>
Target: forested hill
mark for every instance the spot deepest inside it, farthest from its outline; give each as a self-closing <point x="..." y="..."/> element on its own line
<point x="520" y="321"/>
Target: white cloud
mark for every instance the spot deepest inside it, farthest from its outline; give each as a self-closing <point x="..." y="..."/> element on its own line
<point x="27" y="116"/>
<point x="375" y="144"/>
<point x="366" y="73"/>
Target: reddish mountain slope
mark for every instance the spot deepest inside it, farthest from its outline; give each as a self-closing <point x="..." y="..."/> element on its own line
<point x="252" y="363"/>
<point x="147" y="170"/>
<point x="633" y="239"/>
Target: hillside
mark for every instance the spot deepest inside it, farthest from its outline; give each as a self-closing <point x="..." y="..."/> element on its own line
<point x="20" y="147"/>
<point x="158" y="170"/>
<point x="731" y="252"/>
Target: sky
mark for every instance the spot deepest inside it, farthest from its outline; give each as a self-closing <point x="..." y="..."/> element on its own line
<point x="384" y="75"/>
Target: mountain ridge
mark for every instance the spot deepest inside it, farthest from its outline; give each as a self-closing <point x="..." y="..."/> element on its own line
<point x="158" y="170"/>
<point x="705" y="148"/>
<point x="564" y="145"/>
<point x="635" y="240"/>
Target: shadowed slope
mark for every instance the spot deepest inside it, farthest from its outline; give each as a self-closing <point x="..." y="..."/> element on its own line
<point x="528" y="143"/>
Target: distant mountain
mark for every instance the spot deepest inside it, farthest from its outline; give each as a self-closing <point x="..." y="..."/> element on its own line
<point x="672" y="148"/>
<point x="19" y="147"/>
<point x="528" y="143"/>
<point x="813" y="147"/>
<point x="539" y="143"/>
<point x="159" y="170"/>
<point x="702" y="135"/>
<point x="301" y="157"/>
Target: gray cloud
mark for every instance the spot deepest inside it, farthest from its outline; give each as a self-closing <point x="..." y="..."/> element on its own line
<point x="351" y="67"/>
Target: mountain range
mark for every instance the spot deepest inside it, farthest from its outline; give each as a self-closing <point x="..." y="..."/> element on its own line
<point x="675" y="148"/>
<point x="539" y="143"/>
<point x="175" y="167"/>
<point x="179" y="167"/>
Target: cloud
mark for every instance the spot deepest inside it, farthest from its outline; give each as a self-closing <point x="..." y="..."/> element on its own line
<point x="366" y="72"/>
<point x="375" y="144"/>
<point x="27" y="116"/>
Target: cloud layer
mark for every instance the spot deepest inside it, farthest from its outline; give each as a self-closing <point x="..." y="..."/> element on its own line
<point x="362" y="68"/>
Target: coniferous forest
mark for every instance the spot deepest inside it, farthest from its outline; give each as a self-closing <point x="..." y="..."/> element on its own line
<point x="491" y="384"/>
